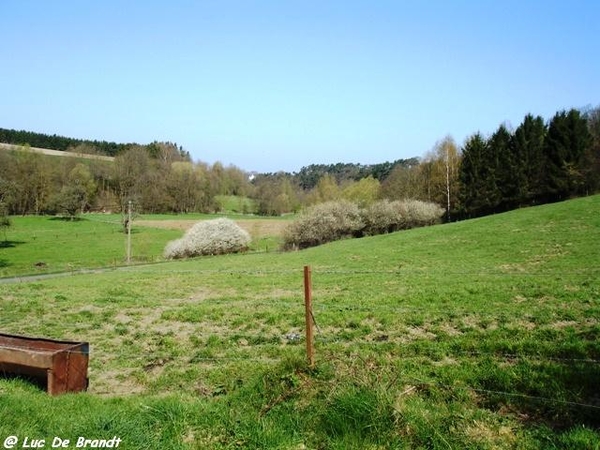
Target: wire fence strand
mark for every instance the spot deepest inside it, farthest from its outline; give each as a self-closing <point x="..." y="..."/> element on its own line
<point x="147" y="358"/>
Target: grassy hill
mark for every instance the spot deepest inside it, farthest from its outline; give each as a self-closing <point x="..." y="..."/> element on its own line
<point x="478" y="334"/>
<point x="51" y="152"/>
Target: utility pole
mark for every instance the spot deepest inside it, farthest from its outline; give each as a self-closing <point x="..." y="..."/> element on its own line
<point x="129" y="232"/>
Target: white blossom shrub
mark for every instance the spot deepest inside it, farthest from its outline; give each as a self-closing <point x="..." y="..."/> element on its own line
<point x="209" y="237"/>
<point x="420" y="214"/>
<point x="323" y="223"/>
<point x="383" y="216"/>
<point x="336" y="220"/>
<point x="175" y="249"/>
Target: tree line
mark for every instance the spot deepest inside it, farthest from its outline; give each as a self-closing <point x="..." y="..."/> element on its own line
<point x="156" y="178"/>
<point x="161" y="178"/>
<point x="535" y="163"/>
<point x="538" y="162"/>
<point x="62" y="143"/>
<point x="309" y="176"/>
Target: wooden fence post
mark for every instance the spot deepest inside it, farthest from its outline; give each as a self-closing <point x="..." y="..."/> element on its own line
<point x="310" y="347"/>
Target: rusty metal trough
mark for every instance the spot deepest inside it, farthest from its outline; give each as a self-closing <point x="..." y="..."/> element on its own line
<point x="60" y="365"/>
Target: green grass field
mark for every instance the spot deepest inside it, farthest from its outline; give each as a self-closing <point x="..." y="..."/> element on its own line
<point x="478" y="334"/>
<point x="39" y="245"/>
<point x="236" y="204"/>
<point x="51" y="244"/>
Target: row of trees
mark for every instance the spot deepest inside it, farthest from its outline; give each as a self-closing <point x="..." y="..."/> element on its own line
<point x="160" y="178"/>
<point x="156" y="179"/>
<point x="536" y="163"/>
<point x="308" y="177"/>
<point x="62" y="143"/>
<point x="278" y="193"/>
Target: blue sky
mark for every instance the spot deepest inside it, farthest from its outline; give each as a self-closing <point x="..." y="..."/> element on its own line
<point x="277" y="85"/>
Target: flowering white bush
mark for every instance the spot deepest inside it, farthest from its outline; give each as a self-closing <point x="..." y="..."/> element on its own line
<point x="420" y="214"/>
<point x="323" y="223"/>
<point x="383" y="217"/>
<point x="209" y="237"/>
<point x="336" y="220"/>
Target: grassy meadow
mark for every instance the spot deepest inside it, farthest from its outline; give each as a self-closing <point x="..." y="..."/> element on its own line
<point x="35" y="245"/>
<point x="236" y="204"/>
<point x="47" y="244"/>
<point x="478" y="334"/>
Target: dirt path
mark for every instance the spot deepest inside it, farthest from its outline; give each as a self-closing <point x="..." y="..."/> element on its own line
<point x="46" y="276"/>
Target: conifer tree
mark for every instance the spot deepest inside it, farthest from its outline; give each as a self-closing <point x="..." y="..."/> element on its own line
<point x="528" y="146"/>
<point x="501" y="146"/>
<point x="566" y="142"/>
<point x="473" y="175"/>
<point x="590" y="163"/>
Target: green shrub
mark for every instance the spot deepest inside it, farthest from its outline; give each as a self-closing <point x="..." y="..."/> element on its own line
<point x="209" y="237"/>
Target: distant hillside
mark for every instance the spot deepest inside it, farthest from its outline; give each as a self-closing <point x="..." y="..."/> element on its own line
<point x="55" y="142"/>
<point x="50" y="152"/>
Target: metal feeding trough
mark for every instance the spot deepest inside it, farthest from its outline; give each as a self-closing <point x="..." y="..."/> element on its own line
<point x="60" y="365"/>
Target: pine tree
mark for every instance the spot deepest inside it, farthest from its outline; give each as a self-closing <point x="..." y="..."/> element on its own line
<point x="590" y="163"/>
<point x="501" y="145"/>
<point x="566" y="143"/>
<point x="478" y="192"/>
<point x="528" y="146"/>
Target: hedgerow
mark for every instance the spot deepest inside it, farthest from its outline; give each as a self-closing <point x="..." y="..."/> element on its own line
<point x="209" y="237"/>
<point x="383" y="217"/>
<point x="332" y="221"/>
<point x="323" y="223"/>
